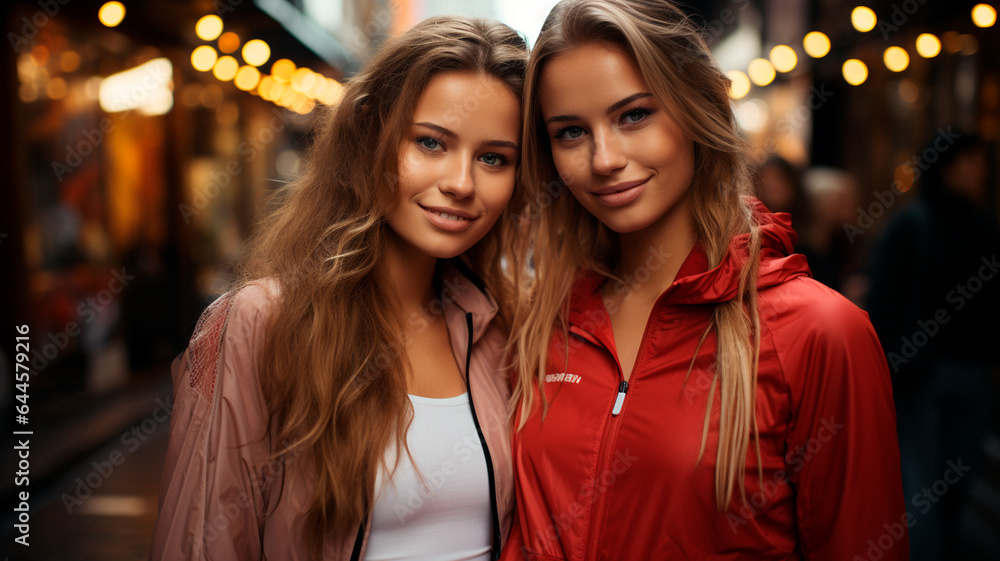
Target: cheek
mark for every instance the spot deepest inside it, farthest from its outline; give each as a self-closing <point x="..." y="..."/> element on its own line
<point x="572" y="165"/>
<point x="497" y="192"/>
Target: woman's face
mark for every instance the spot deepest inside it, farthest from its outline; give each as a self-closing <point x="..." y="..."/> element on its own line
<point x="456" y="163"/>
<point x="614" y="144"/>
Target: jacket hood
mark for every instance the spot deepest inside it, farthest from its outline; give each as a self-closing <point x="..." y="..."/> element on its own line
<point x="696" y="283"/>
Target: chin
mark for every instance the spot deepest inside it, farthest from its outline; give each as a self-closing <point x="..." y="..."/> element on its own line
<point x="624" y="222"/>
<point x="442" y="250"/>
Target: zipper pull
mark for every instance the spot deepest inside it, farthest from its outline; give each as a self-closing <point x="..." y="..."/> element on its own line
<point x="622" y="388"/>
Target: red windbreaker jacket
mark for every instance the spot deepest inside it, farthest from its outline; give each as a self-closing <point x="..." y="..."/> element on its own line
<point x="611" y="472"/>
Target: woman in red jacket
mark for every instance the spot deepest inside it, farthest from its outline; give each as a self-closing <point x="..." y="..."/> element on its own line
<point x="685" y="389"/>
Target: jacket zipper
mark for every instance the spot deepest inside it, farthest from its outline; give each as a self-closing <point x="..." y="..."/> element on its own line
<point x="495" y="547"/>
<point x="356" y="552"/>
<point x="608" y="438"/>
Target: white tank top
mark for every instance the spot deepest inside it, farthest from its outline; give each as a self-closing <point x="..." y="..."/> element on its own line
<point x="447" y="516"/>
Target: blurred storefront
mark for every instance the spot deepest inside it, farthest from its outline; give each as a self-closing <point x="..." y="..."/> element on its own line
<point x="146" y="139"/>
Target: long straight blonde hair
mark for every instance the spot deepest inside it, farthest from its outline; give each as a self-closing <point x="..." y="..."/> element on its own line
<point x="563" y="237"/>
<point x="332" y="366"/>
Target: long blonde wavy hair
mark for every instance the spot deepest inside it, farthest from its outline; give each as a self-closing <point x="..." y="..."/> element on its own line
<point x="564" y="238"/>
<point x="332" y="368"/>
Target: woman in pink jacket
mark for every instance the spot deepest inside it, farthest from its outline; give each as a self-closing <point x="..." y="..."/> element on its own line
<point x="345" y="400"/>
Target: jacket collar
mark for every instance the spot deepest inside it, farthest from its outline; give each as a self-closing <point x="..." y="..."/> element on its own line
<point x="696" y="283"/>
<point x="462" y="292"/>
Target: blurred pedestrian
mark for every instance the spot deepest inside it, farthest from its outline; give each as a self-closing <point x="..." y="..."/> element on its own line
<point x="934" y="301"/>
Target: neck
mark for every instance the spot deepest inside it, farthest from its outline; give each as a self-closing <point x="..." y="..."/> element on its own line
<point x="656" y="252"/>
<point x="412" y="275"/>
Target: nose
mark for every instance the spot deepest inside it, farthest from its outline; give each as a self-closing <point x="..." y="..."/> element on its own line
<point x="608" y="155"/>
<point x="457" y="180"/>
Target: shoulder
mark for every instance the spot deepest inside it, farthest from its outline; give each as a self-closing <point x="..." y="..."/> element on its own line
<point x="249" y="305"/>
<point x="228" y="334"/>
<point x="804" y="313"/>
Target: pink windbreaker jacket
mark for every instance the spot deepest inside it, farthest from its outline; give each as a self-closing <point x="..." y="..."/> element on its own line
<point x="221" y="499"/>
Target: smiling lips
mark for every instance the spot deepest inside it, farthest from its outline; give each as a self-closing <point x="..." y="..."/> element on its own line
<point x="621" y="194"/>
<point x="448" y="218"/>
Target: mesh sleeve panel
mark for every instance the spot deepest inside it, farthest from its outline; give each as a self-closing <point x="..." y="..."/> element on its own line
<point x="205" y="348"/>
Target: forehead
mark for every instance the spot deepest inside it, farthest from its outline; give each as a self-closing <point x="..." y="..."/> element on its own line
<point x="472" y="104"/>
<point x="593" y="75"/>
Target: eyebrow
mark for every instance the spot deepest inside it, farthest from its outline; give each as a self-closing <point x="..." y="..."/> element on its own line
<point x="451" y="134"/>
<point x="611" y="108"/>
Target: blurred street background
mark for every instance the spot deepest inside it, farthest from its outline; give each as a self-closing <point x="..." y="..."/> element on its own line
<point x="143" y="138"/>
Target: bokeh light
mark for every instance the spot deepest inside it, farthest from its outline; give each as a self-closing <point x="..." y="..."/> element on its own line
<point x="740" y="86"/>
<point x="896" y="59"/>
<point x="225" y="68"/>
<point x="855" y="72"/>
<point x="863" y="18"/>
<point x="783" y="58"/>
<point x="761" y="71"/>
<point x="229" y="42"/>
<point x="984" y="15"/>
<point x="203" y="58"/>
<point x="208" y="27"/>
<point x="928" y="45"/>
<point x="816" y="44"/>
<point x="247" y="78"/>
<point x="111" y="13"/>
<point x="256" y="52"/>
<point x="282" y="70"/>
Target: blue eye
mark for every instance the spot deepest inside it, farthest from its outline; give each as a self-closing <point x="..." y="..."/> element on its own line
<point x="635" y="116"/>
<point x="493" y="159"/>
<point x="570" y="133"/>
<point x="429" y="143"/>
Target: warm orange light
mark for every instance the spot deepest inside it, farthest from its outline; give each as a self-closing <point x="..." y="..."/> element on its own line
<point x="225" y="68"/>
<point x="816" y="44"/>
<point x="761" y="71"/>
<point x="282" y="70"/>
<point x="208" y="27"/>
<point x="863" y="18"/>
<point x="111" y="13"/>
<point x="984" y="15"/>
<point x="896" y="59"/>
<point x="229" y="42"/>
<point x="783" y="58"/>
<point x="928" y="46"/>
<point x="256" y="52"/>
<point x="247" y="78"/>
<point x="740" y="85"/>
<point x="203" y="58"/>
<point x="855" y="72"/>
